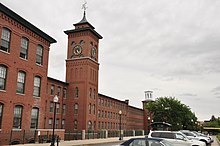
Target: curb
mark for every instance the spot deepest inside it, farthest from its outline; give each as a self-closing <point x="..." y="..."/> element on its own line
<point x="217" y="140"/>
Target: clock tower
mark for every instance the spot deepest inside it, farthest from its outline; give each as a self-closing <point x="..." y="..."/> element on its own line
<point x="82" y="75"/>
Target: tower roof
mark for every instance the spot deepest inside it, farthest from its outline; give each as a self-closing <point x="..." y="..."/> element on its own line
<point x="84" y="21"/>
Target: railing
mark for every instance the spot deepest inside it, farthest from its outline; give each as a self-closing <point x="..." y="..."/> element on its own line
<point x="44" y="135"/>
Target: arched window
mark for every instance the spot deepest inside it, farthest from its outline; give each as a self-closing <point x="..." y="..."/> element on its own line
<point x="24" y="48"/>
<point x="75" y="124"/>
<point x="5" y="40"/>
<point x="3" y="73"/>
<point x="21" y="82"/>
<point x="89" y="125"/>
<point x="39" y="55"/>
<point x="76" y="92"/>
<point x="17" y="117"/>
<point x="76" y="108"/>
<point x="1" y="113"/>
<point x="34" y="117"/>
<point x="37" y="86"/>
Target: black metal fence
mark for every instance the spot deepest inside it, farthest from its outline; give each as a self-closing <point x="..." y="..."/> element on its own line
<point x="17" y="137"/>
<point x="23" y="136"/>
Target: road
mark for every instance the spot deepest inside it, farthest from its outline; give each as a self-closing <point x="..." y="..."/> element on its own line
<point x="107" y="144"/>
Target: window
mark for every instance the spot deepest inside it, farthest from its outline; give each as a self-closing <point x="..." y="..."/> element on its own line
<point x="99" y="125"/>
<point x="39" y="55"/>
<point x="57" y="123"/>
<point x="50" y="123"/>
<point x="75" y="124"/>
<point x="94" y="94"/>
<point x="3" y="73"/>
<point x="21" y="82"/>
<point x="1" y="113"/>
<point x="34" y="118"/>
<point x="58" y="91"/>
<point x="5" y="40"/>
<point x="57" y="108"/>
<point x="99" y="113"/>
<point x="90" y="93"/>
<point x="76" y="92"/>
<point x="99" y="101"/>
<point x="64" y="93"/>
<point x="37" y="82"/>
<point x="63" y="124"/>
<point x="64" y="109"/>
<point x="90" y="108"/>
<point x="89" y="125"/>
<point x="24" y="48"/>
<point x="76" y="108"/>
<point x="17" y="116"/>
<point x="52" y="90"/>
<point x="51" y="107"/>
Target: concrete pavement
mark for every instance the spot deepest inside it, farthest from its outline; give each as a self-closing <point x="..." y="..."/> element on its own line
<point x="97" y="141"/>
<point x="82" y="142"/>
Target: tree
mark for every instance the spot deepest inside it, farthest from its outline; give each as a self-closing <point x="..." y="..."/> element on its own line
<point x="171" y="110"/>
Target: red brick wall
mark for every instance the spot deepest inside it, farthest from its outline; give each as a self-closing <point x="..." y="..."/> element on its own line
<point x="9" y="97"/>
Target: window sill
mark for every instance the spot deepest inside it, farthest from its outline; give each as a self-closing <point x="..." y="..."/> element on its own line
<point x="23" y="59"/>
<point x="36" y="97"/>
<point x="14" y="129"/>
<point x="8" y="53"/>
<point x="2" y="90"/>
<point x="20" y="94"/>
<point x="40" y="65"/>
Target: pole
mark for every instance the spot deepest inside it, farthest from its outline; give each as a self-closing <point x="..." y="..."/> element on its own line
<point x="120" y="127"/>
<point x="54" y="116"/>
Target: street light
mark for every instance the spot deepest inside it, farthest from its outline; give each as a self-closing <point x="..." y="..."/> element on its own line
<point x="120" y="137"/>
<point x="55" y="100"/>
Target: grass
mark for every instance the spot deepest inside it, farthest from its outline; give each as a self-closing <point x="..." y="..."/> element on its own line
<point x="218" y="136"/>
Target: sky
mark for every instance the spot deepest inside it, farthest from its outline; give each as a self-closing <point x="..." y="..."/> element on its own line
<point x="170" y="47"/>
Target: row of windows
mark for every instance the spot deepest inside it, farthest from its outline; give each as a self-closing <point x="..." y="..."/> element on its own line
<point x="110" y="125"/>
<point x="110" y="115"/>
<point x="57" y="108"/>
<point x="52" y="91"/>
<point x="57" y="123"/>
<point x="6" y="42"/>
<point x="17" y="122"/>
<point x="21" y="79"/>
<point x="108" y="103"/>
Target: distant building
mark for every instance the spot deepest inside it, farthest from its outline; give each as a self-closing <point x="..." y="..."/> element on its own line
<point x="26" y="93"/>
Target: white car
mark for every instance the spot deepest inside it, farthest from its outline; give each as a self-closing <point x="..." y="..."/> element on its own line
<point x="176" y="138"/>
<point x="195" y="136"/>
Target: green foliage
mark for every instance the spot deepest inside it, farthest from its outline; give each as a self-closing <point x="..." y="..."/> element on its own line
<point x="214" y="122"/>
<point x="218" y="136"/>
<point x="171" y="110"/>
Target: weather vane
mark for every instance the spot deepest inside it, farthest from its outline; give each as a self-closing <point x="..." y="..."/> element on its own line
<point x="84" y="6"/>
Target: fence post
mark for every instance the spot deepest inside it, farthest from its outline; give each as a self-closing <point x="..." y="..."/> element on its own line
<point x="133" y="132"/>
<point x="83" y="134"/>
<point x="142" y="132"/>
<point x="106" y="131"/>
<point x="10" y="137"/>
<point x="23" y="137"/>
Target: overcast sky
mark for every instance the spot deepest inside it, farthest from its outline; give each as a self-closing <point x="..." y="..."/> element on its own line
<point x="171" y="47"/>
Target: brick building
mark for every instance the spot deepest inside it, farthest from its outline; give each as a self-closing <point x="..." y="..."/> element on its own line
<point x="26" y="92"/>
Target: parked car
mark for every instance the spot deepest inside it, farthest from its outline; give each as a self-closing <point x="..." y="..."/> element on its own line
<point x="201" y="134"/>
<point x="146" y="142"/>
<point x="176" y="138"/>
<point x="195" y="136"/>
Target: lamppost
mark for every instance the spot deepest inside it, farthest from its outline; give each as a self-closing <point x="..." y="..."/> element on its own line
<point x="55" y="100"/>
<point x="120" y="137"/>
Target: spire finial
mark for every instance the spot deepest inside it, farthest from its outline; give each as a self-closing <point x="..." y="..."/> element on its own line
<point x="84" y="7"/>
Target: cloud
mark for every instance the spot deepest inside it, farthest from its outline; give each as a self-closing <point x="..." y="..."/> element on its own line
<point x="187" y="94"/>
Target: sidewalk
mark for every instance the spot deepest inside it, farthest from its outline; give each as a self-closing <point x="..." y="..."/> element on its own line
<point x="81" y="142"/>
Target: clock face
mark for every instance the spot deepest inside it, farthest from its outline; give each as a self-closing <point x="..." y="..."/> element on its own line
<point x="93" y="52"/>
<point x="77" y="50"/>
